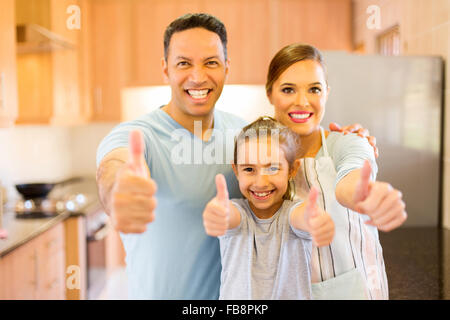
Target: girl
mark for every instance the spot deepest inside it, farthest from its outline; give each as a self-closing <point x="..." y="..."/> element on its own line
<point x="341" y="167"/>
<point x="265" y="239"/>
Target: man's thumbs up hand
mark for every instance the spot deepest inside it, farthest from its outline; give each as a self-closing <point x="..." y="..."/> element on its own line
<point x="318" y="222"/>
<point x="136" y="161"/>
<point x="133" y="200"/>
<point x="217" y="212"/>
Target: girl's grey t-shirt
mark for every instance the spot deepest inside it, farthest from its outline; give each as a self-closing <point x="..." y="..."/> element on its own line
<point x="264" y="259"/>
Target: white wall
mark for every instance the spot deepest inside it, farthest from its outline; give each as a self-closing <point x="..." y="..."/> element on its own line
<point x="48" y="153"/>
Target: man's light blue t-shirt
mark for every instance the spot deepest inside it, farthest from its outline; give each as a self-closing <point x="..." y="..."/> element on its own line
<point x="174" y="258"/>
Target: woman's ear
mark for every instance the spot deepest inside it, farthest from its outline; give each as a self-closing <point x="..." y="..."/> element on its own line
<point x="294" y="169"/>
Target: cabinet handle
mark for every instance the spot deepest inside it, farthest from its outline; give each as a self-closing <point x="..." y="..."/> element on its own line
<point x="98" y="100"/>
<point x="2" y="91"/>
<point x="51" y="243"/>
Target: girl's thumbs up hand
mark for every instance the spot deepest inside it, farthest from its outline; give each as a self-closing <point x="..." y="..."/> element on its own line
<point x="318" y="222"/>
<point x="217" y="212"/>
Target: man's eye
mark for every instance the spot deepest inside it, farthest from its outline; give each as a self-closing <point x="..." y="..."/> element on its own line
<point x="247" y="169"/>
<point x="182" y="63"/>
<point x="274" y="169"/>
<point x="212" y="63"/>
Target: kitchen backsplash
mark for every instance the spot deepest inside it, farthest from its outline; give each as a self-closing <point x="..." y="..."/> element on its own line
<point x="48" y="153"/>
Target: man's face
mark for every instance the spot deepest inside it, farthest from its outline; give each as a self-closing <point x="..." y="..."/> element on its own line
<point x="196" y="70"/>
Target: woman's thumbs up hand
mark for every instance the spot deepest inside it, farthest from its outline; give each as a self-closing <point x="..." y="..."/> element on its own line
<point x="380" y="201"/>
<point x="133" y="200"/>
<point x="217" y="212"/>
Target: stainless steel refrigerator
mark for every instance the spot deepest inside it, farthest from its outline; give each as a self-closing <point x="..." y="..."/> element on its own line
<point x="400" y="101"/>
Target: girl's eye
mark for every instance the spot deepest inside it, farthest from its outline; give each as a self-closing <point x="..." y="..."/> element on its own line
<point x="315" y="90"/>
<point x="287" y="90"/>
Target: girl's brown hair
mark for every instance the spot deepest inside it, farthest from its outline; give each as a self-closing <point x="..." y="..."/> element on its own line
<point x="289" y="55"/>
<point x="288" y="140"/>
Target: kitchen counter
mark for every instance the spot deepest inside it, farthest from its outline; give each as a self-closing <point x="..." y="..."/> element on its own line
<point x="21" y="231"/>
<point x="417" y="263"/>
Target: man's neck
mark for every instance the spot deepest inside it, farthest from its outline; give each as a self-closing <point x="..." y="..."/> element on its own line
<point x="197" y="125"/>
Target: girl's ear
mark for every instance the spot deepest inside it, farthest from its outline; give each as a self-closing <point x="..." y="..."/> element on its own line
<point x="294" y="169"/>
<point x="235" y="170"/>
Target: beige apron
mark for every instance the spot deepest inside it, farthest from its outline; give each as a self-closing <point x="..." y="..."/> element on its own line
<point x="352" y="266"/>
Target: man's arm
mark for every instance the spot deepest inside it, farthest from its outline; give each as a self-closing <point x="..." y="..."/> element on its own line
<point x="110" y="165"/>
<point x="125" y="188"/>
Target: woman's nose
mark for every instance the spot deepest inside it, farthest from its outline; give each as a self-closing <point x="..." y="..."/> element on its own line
<point x="301" y="99"/>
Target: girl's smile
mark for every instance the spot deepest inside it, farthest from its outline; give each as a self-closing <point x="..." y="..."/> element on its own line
<point x="263" y="174"/>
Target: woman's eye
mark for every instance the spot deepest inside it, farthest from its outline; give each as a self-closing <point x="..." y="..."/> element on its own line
<point x="315" y="90"/>
<point x="287" y="90"/>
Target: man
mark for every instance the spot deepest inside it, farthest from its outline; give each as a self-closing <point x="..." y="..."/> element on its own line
<point x="171" y="257"/>
<point x="168" y="254"/>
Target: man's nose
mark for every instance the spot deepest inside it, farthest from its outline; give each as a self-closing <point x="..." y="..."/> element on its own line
<point x="198" y="75"/>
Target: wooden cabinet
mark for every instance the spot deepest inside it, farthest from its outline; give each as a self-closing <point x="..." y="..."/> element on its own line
<point x="8" y="76"/>
<point x="52" y="84"/>
<point x="110" y="56"/>
<point x="35" y="270"/>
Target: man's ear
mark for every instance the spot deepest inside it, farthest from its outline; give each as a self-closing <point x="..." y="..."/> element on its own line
<point x="294" y="169"/>
<point x="165" y="70"/>
<point x="227" y="68"/>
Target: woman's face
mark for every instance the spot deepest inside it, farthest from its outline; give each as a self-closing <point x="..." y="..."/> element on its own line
<point x="299" y="96"/>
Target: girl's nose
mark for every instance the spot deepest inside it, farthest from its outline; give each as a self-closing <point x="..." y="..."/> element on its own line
<point x="262" y="180"/>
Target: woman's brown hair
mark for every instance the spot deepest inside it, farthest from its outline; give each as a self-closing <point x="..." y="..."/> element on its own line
<point x="288" y="140"/>
<point x="289" y="55"/>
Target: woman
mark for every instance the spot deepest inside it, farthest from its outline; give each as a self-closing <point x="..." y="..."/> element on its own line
<point x="340" y="167"/>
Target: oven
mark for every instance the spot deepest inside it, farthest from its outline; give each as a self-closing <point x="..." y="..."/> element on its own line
<point x="97" y="229"/>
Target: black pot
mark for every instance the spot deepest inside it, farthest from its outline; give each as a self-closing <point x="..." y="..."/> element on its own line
<point x="40" y="190"/>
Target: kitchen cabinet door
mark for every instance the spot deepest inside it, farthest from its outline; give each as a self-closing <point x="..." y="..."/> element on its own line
<point x="110" y="61"/>
<point x="51" y="264"/>
<point x="8" y="76"/>
<point x="21" y="272"/>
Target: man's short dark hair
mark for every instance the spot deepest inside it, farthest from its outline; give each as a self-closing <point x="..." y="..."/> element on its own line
<point x="196" y="20"/>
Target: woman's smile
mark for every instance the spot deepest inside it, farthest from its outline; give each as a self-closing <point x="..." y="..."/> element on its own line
<point x="300" y="116"/>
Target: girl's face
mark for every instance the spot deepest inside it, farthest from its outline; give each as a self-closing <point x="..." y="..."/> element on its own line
<point x="263" y="174"/>
<point x="299" y="96"/>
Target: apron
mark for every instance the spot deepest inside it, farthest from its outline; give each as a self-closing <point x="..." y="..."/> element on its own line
<point x="352" y="266"/>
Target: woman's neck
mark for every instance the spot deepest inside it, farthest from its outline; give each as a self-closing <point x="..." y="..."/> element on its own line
<point x="311" y="144"/>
